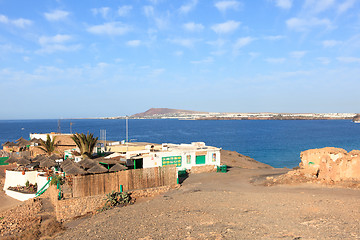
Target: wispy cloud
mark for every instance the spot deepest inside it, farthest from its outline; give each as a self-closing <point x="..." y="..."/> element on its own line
<point x="284" y="4"/>
<point x="226" y="27"/>
<point x="186" y="8"/>
<point x="185" y="42"/>
<point x="133" y="43"/>
<point x="193" y="27"/>
<point x="124" y="10"/>
<point x="59" y="38"/>
<point x="323" y="60"/>
<point x="103" y="11"/>
<point x="223" y="6"/>
<point x="206" y="60"/>
<point x="20" y="22"/>
<point x="318" y="6"/>
<point x="346" y="5"/>
<point x="274" y="38"/>
<point x="56" y="15"/>
<point x="161" y="22"/>
<point x="330" y="43"/>
<point x="275" y="60"/>
<point x="306" y="24"/>
<point x="178" y="53"/>
<point x="242" y="42"/>
<point x="110" y="28"/>
<point x="50" y="44"/>
<point x="348" y="59"/>
<point x="297" y="54"/>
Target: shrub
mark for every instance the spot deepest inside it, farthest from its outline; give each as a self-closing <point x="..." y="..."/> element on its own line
<point x="114" y="199"/>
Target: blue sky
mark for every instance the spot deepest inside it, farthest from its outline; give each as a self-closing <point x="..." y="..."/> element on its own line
<point x="61" y="59"/>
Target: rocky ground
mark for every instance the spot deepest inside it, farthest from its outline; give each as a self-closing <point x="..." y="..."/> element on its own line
<point x="233" y="205"/>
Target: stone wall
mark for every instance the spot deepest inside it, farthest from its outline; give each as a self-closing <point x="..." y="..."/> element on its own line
<point x="67" y="209"/>
<point x="202" y="169"/>
<point x="330" y="164"/>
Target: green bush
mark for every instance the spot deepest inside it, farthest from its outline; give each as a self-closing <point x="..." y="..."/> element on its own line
<point x="114" y="199"/>
<point x="57" y="179"/>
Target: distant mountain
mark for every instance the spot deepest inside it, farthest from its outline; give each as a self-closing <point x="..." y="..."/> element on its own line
<point x="163" y="112"/>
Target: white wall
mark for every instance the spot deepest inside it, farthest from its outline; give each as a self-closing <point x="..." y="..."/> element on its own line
<point x="152" y="161"/>
<point x="19" y="196"/>
<point x="15" y="178"/>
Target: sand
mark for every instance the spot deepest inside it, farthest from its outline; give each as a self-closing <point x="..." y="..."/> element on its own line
<point x="233" y="205"/>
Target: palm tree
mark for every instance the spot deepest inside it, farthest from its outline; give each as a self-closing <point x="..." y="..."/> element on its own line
<point x="49" y="146"/>
<point x="86" y="143"/>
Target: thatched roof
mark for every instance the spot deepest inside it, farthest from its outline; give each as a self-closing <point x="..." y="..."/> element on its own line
<point x="22" y="161"/>
<point x="117" y="167"/>
<point x="87" y="163"/>
<point x="105" y="160"/>
<point x="48" y="163"/>
<point x="70" y="168"/>
<point x="23" y="142"/>
<point x="9" y="144"/>
<point x="35" y="140"/>
<point x="97" y="168"/>
<point x="55" y="157"/>
<point x="40" y="158"/>
<point x="11" y="159"/>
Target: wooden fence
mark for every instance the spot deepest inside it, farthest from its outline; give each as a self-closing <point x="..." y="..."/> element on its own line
<point x="90" y="185"/>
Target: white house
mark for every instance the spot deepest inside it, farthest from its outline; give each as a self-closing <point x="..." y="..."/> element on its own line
<point x="184" y="156"/>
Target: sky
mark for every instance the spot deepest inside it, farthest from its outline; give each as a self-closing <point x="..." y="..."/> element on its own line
<point x="71" y="59"/>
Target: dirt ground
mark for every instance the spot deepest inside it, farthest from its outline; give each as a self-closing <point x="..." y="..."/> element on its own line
<point x="232" y="205"/>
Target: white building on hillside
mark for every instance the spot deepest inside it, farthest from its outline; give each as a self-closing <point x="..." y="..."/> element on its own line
<point x="184" y="156"/>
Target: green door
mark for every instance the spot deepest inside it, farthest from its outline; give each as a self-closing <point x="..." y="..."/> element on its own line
<point x="200" y="159"/>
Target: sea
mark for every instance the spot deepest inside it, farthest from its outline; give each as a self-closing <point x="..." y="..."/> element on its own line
<point x="274" y="142"/>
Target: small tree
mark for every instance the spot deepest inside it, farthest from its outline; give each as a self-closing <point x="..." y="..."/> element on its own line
<point x="49" y="146"/>
<point x="86" y="143"/>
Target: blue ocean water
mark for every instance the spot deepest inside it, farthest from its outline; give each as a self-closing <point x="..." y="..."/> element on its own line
<point x="275" y="142"/>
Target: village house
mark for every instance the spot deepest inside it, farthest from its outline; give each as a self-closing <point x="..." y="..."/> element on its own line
<point x="184" y="156"/>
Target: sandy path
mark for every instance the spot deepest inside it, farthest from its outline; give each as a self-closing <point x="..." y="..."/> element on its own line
<point x="227" y="206"/>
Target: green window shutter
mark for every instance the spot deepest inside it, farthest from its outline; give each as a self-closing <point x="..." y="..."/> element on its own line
<point x="200" y="159"/>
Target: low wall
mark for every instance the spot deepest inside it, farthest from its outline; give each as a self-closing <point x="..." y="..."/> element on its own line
<point x="67" y="209"/>
<point x="19" y="196"/>
<point x="202" y="169"/>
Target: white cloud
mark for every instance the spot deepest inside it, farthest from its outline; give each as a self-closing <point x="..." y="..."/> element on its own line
<point x="178" y="53"/>
<point x="218" y="43"/>
<point x="104" y="11"/>
<point x="20" y="22"/>
<point x="133" y="43"/>
<point x="297" y="54"/>
<point x="254" y="55"/>
<point x="185" y="42"/>
<point x="149" y="11"/>
<point x="193" y="27"/>
<point x="343" y="7"/>
<point x="157" y="72"/>
<point x="56" y="15"/>
<point x="56" y="43"/>
<point x="51" y="48"/>
<point x="274" y="38"/>
<point x="242" y="42"/>
<point x="59" y="38"/>
<point x="226" y="27"/>
<point x="124" y="10"/>
<point x="4" y="19"/>
<point x="206" y="60"/>
<point x="305" y="24"/>
<point x="284" y="4"/>
<point x="330" y="43"/>
<point x="109" y="28"/>
<point x="324" y="60"/>
<point x="349" y="59"/>
<point x="184" y="9"/>
<point x="275" y="60"/>
<point x="318" y="6"/>
<point x="223" y="6"/>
